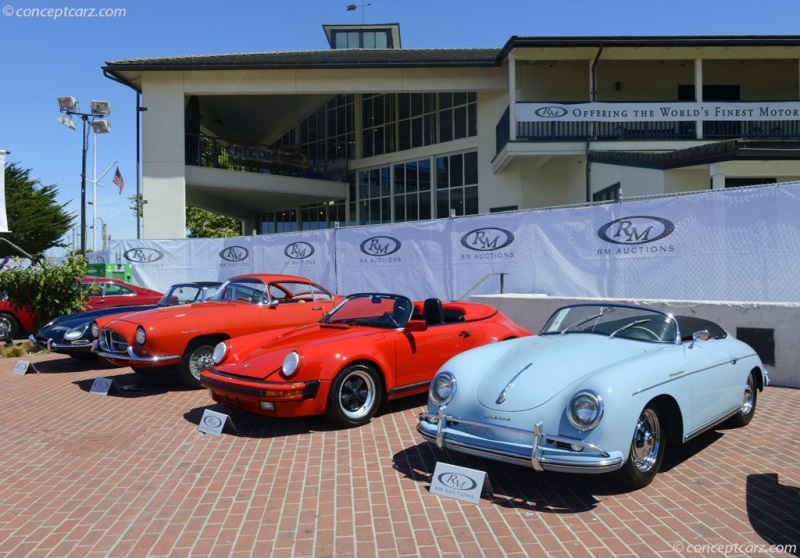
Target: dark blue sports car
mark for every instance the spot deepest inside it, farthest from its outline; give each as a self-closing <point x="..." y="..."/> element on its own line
<point x="72" y="334"/>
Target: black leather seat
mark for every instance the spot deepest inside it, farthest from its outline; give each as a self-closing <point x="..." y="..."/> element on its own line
<point x="432" y="311"/>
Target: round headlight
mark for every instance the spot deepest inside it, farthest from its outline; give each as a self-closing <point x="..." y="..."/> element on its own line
<point x="95" y="330"/>
<point x="140" y="335"/>
<point x="443" y="388"/>
<point x="220" y="352"/>
<point x="585" y="410"/>
<point x="291" y="363"/>
<point x="76" y="333"/>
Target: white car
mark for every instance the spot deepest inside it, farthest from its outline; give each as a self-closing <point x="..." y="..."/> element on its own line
<point x="602" y="388"/>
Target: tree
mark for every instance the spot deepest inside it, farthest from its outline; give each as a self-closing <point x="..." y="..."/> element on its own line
<point x="36" y="221"/>
<point x="47" y="289"/>
<point x="205" y="224"/>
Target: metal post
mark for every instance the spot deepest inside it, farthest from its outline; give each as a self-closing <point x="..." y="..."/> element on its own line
<point x="85" y="119"/>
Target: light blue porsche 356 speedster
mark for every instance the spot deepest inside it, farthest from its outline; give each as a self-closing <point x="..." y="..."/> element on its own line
<point x="602" y="388"/>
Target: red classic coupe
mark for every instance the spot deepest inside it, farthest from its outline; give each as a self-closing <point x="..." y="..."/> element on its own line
<point x="371" y="348"/>
<point x="114" y="292"/>
<point x="154" y="342"/>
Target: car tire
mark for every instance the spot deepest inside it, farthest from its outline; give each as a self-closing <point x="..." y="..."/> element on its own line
<point x="748" y="408"/>
<point x="354" y="396"/>
<point x="198" y="357"/>
<point x="9" y="327"/>
<point x="647" y="450"/>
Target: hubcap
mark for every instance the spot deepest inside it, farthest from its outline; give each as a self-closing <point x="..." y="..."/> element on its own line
<point x="357" y="394"/>
<point x="202" y="359"/>
<point x="646" y="441"/>
<point x="749" y="395"/>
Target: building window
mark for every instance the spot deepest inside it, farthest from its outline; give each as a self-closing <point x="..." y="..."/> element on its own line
<point x="457" y="185"/>
<point x="362" y="39"/>
<point x="611" y="193"/>
<point x="374" y="199"/>
<point x="378" y="115"/>
<point x="278" y="221"/>
<point x="457" y="116"/>
<point x="416" y="124"/>
<point x="412" y="191"/>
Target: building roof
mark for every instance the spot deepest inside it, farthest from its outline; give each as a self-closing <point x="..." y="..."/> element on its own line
<point x="346" y="58"/>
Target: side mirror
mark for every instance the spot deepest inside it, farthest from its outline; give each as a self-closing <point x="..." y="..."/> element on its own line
<point x="273" y="303"/>
<point x="702" y="335"/>
<point x="416" y="325"/>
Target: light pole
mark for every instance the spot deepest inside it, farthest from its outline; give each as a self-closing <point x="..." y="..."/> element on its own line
<point x="69" y="107"/>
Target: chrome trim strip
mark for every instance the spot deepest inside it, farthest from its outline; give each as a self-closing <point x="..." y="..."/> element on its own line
<point x="135" y="358"/>
<point x="687" y="374"/>
<point x="713" y="422"/>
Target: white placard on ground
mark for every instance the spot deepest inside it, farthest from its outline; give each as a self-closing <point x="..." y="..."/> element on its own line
<point x="101" y="386"/>
<point x="23" y="366"/>
<point x="460" y="483"/>
<point x="213" y="422"/>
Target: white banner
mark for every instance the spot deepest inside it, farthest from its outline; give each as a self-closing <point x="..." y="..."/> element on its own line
<point x="3" y="216"/>
<point x="657" y="112"/>
<point x="722" y="245"/>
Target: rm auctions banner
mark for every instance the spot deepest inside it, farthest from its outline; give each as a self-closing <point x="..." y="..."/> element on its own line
<point x="656" y="112"/>
<point x="722" y="245"/>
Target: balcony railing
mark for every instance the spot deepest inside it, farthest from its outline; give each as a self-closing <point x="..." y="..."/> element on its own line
<point x="206" y="151"/>
<point x="643" y="131"/>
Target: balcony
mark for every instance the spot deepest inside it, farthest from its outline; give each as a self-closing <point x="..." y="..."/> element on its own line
<point x="206" y="151"/>
<point x="644" y="131"/>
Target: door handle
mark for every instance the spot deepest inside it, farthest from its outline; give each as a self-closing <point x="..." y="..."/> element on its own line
<point x="464" y="334"/>
<point x="317" y="308"/>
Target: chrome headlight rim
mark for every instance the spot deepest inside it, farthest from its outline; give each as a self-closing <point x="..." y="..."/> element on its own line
<point x="291" y="364"/>
<point x="443" y="381"/>
<point x="140" y="336"/>
<point x="220" y="352"/>
<point x="95" y="330"/>
<point x="76" y="333"/>
<point x="585" y="399"/>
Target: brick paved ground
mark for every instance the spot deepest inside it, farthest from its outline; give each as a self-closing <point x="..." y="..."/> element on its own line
<point x="130" y="474"/>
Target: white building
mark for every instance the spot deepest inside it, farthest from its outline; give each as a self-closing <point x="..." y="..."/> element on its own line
<point x="368" y="132"/>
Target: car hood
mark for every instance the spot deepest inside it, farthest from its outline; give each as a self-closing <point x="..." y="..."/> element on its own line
<point x="193" y="311"/>
<point x="268" y="358"/>
<point x="532" y="373"/>
<point x="69" y="321"/>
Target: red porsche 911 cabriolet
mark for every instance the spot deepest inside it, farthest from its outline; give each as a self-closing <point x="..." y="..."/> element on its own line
<point x="371" y="348"/>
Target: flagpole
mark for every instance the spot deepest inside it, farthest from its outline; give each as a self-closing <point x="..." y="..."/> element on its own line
<point x="94" y="193"/>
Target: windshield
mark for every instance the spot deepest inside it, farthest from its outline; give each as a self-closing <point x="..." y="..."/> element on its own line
<point x="243" y="290"/>
<point x="614" y="321"/>
<point x="188" y="294"/>
<point x="376" y="310"/>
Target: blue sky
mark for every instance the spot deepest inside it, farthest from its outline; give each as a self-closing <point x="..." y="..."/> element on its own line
<point x="48" y="57"/>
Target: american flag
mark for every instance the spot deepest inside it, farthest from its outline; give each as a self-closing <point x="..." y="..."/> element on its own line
<point x="118" y="180"/>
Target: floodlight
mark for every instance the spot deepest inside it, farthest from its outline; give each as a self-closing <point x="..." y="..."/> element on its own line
<point x="101" y="107"/>
<point x="67" y="104"/>
<point x="100" y="126"/>
<point x="67" y="121"/>
<point x="351" y="7"/>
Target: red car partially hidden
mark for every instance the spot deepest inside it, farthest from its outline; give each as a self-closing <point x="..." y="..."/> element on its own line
<point x="372" y="348"/>
<point x="114" y="293"/>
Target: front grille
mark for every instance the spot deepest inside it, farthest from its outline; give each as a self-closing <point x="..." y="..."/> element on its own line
<point x="113" y="341"/>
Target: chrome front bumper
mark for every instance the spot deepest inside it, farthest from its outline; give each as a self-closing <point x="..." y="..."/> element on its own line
<point x="544" y="456"/>
<point x="50" y="345"/>
<point x="130" y="356"/>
